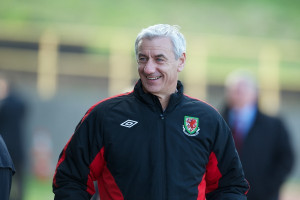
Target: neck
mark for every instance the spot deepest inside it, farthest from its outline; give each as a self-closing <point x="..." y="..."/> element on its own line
<point x="164" y="98"/>
<point x="164" y="101"/>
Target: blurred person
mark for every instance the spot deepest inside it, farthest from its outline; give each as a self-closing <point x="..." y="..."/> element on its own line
<point x="12" y="112"/>
<point x="262" y="141"/>
<point x="7" y="170"/>
<point x="155" y="142"/>
<point x="42" y="149"/>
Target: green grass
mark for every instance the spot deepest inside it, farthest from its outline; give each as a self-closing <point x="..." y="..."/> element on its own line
<point x="37" y="189"/>
<point x="257" y="17"/>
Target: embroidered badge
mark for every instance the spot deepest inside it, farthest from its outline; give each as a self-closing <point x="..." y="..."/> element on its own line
<point x="191" y="126"/>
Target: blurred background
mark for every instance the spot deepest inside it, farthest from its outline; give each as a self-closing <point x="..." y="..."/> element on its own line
<point x="61" y="57"/>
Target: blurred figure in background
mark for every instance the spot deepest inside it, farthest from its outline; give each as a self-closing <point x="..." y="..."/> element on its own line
<point x="6" y="171"/>
<point x="42" y="154"/>
<point x="12" y="111"/>
<point x="262" y="141"/>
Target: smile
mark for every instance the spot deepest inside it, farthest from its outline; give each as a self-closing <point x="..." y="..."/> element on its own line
<point x="153" y="78"/>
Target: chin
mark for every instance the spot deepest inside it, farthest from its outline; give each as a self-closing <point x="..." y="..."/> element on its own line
<point x="151" y="89"/>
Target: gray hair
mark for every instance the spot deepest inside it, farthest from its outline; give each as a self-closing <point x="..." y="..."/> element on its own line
<point x="244" y="75"/>
<point x="164" y="30"/>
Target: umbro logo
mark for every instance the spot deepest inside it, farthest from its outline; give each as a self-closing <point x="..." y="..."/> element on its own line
<point x="129" y="123"/>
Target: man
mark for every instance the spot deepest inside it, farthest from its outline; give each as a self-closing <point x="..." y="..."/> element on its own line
<point x="6" y="171"/>
<point x="12" y="116"/>
<point x="262" y="141"/>
<point x="154" y="143"/>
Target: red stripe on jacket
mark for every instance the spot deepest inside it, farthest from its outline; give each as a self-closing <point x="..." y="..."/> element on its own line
<point x="62" y="158"/>
<point x="201" y="189"/>
<point x="213" y="174"/>
<point x="210" y="180"/>
<point x="108" y="189"/>
<point x="107" y="186"/>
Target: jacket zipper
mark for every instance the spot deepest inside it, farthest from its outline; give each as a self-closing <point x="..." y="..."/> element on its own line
<point x="164" y="174"/>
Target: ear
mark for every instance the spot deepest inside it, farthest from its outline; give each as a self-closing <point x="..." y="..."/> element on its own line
<point x="181" y="63"/>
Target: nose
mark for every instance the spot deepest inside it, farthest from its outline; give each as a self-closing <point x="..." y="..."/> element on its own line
<point x="149" y="68"/>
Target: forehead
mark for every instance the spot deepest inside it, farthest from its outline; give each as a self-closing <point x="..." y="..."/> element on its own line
<point x="160" y="44"/>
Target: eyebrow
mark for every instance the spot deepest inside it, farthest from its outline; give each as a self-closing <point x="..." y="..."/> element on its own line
<point x="156" y="56"/>
<point x="140" y="55"/>
<point x="160" y="55"/>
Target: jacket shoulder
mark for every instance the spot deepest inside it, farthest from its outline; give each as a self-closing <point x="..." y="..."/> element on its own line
<point x="273" y="121"/>
<point x="107" y="103"/>
<point x="201" y="104"/>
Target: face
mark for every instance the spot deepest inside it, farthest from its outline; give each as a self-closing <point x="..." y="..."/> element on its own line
<point x="3" y="88"/>
<point x="240" y="94"/>
<point x="157" y="66"/>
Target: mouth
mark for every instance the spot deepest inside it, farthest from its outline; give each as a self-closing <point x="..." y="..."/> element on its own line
<point x="153" y="78"/>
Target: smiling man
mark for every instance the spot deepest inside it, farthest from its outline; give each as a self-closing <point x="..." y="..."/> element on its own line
<point x="154" y="143"/>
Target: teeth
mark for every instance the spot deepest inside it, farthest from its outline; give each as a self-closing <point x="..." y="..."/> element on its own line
<point x="153" y="78"/>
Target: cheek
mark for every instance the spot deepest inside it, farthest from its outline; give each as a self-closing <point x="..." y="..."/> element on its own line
<point x="175" y="73"/>
<point x="140" y="69"/>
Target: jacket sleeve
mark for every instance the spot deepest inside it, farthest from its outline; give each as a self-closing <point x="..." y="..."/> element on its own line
<point x="76" y="172"/>
<point x="225" y="178"/>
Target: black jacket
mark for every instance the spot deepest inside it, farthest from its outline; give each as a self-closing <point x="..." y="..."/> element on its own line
<point x="138" y="152"/>
<point x="7" y="170"/>
<point x="12" y="115"/>
<point x="266" y="155"/>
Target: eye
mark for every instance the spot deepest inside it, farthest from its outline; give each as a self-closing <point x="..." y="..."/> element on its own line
<point x="160" y="60"/>
<point x="142" y="59"/>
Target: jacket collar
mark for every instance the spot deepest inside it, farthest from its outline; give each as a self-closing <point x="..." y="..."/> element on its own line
<point x="153" y="100"/>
